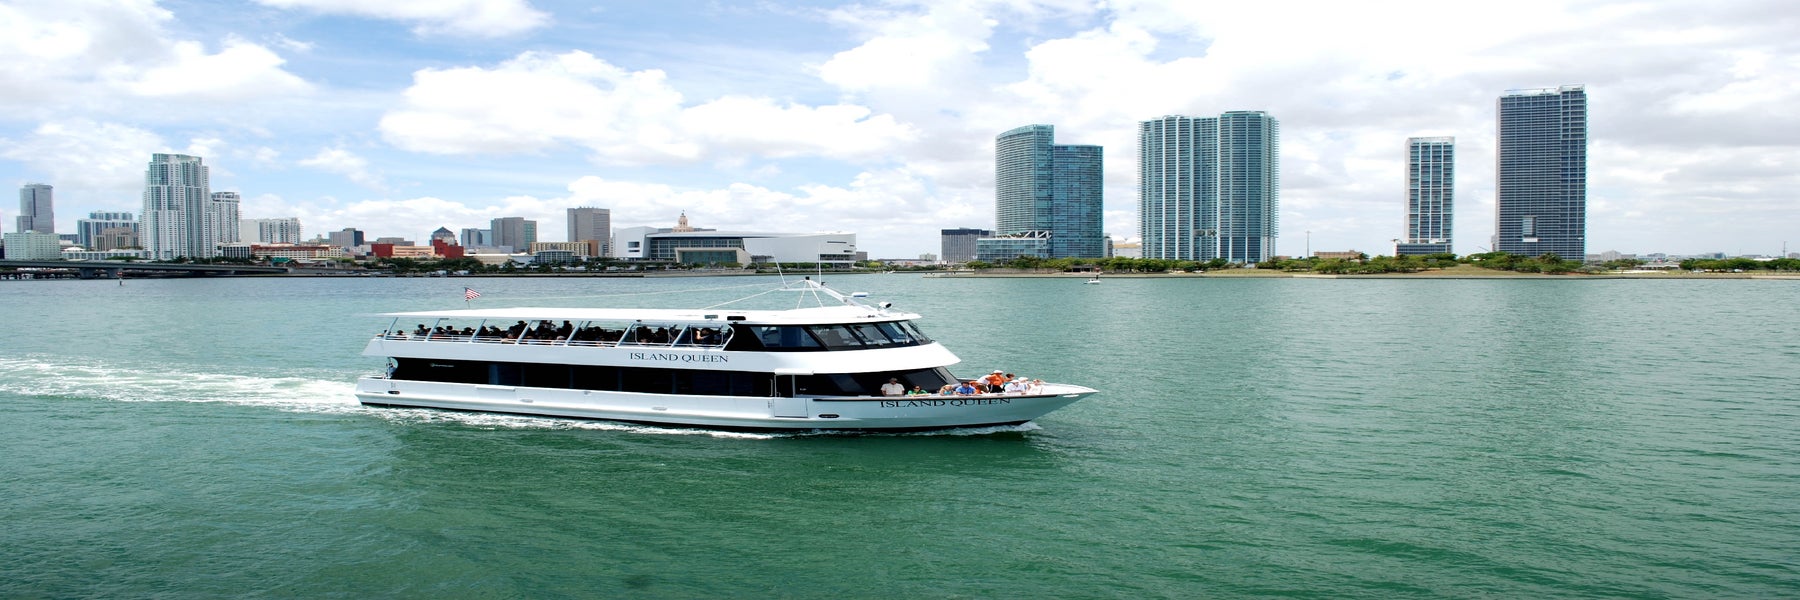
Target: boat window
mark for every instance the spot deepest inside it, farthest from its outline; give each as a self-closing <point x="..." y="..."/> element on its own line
<point x="917" y="335"/>
<point x="873" y="335"/>
<point x="770" y="337"/>
<point x="836" y="336"/>
<point x="894" y="332"/>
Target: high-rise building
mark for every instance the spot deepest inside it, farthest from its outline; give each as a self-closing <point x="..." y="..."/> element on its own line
<point x="1430" y="196"/>
<point x="1044" y="188"/>
<point x="1210" y="187"/>
<point x="176" y="197"/>
<point x="477" y="238"/>
<point x="87" y="231"/>
<point x="36" y="210"/>
<point x="222" y="216"/>
<point x="284" y="230"/>
<point x="349" y="237"/>
<point x="517" y="233"/>
<point x="588" y="224"/>
<point x="1540" y="198"/>
<point x="959" y="244"/>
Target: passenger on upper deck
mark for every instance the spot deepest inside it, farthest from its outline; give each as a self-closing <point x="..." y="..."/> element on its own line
<point x="996" y="381"/>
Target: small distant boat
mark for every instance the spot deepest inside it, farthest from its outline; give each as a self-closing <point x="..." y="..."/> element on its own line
<point x="1095" y="280"/>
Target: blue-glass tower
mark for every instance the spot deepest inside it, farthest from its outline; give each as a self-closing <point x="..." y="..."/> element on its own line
<point x="1430" y="196"/>
<point x="1043" y="187"/>
<point x="1210" y="187"/>
<point x="1540" y="200"/>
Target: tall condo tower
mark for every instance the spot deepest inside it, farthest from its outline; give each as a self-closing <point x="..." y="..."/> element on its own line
<point x="1043" y="188"/>
<point x="517" y="233"/>
<point x="176" y="199"/>
<point x="1210" y="187"/>
<point x="592" y="225"/>
<point x="1540" y="199"/>
<point x="36" y="211"/>
<point x="1430" y="196"/>
<point x="222" y="216"/>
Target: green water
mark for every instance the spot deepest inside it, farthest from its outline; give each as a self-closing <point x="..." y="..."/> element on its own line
<point x="1298" y="438"/>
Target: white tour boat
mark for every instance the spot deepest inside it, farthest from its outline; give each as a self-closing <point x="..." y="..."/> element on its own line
<point x="804" y="368"/>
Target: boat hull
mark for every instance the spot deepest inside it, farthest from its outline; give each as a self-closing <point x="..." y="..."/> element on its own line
<point x="901" y="413"/>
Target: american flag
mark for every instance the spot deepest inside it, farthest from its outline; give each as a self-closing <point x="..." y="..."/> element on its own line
<point x="470" y="293"/>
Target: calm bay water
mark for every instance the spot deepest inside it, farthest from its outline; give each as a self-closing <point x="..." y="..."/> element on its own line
<point x="1310" y="438"/>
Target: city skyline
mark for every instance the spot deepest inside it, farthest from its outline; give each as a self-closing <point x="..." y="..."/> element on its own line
<point x="879" y="118"/>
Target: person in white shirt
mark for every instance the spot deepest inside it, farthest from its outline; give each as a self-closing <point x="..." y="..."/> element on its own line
<point x="1016" y="386"/>
<point x="893" y="388"/>
<point x="1035" y="387"/>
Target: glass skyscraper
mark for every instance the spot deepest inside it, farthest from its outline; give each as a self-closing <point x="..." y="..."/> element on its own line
<point x="1210" y="187"/>
<point x="1430" y="196"/>
<point x="37" y="210"/>
<point x="1043" y="187"/>
<point x="1540" y="200"/>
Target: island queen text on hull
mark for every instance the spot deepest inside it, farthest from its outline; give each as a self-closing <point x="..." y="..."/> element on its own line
<point x="799" y="369"/>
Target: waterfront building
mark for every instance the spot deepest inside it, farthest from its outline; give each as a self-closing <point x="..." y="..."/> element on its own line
<point x="959" y="244"/>
<point x="1055" y="190"/>
<point x="349" y="237"/>
<point x="442" y="234"/>
<point x="177" y="194"/>
<point x="1540" y="198"/>
<point x="1002" y="248"/>
<point x="477" y="238"/>
<point x="284" y="230"/>
<point x="1430" y="196"/>
<point x="1210" y="187"/>
<point x="582" y="249"/>
<point x="101" y="254"/>
<point x="37" y="211"/>
<point x="89" y="230"/>
<point x="32" y="245"/>
<point x="690" y="245"/>
<point x="116" y="238"/>
<point x="514" y="233"/>
<point x="222" y="217"/>
<point x="588" y="224"/>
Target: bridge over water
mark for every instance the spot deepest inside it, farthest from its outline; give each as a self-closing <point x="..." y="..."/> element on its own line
<point x="112" y="269"/>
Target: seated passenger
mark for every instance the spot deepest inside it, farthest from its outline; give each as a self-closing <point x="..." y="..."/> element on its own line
<point x="1035" y="387"/>
<point x="1016" y="386"/>
<point x="949" y="389"/>
<point x="972" y="387"/>
<point x="917" y="391"/>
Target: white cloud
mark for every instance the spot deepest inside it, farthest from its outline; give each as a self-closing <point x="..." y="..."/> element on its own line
<point x="343" y="162"/>
<point x="477" y="18"/>
<point x="539" y="102"/>
<point x="60" y="56"/>
<point x="239" y="71"/>
<point x="88" y="155"/>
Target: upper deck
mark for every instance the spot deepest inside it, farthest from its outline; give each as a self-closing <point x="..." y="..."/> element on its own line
<point x="822" y="315"/>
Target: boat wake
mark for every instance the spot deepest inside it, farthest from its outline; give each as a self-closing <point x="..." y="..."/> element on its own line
<point x="33" y="375"/>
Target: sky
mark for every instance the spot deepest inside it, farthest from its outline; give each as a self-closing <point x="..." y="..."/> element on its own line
<point x="401" y="116"/>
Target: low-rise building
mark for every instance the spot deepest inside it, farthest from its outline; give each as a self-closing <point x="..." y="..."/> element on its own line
<point x="32" y="245"/>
